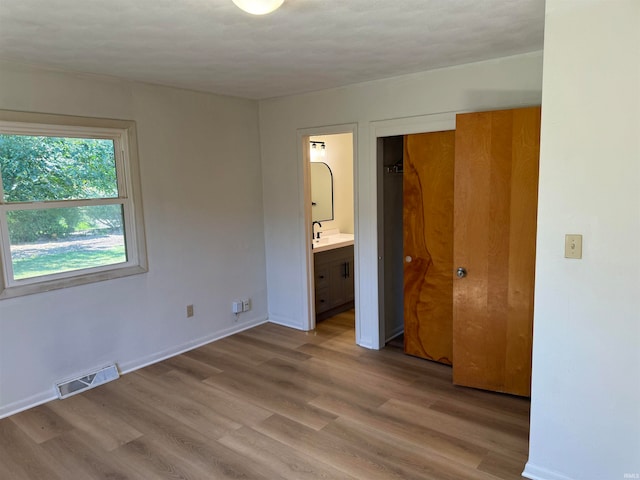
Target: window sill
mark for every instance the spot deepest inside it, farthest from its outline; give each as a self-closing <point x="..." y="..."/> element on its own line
<point x="46" y="286"/>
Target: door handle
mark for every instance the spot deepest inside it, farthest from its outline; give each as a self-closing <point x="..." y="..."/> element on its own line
<point x="461" y="272"/>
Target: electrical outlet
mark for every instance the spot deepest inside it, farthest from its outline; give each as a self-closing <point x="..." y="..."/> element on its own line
<point x="236" y="307"/>
<point x="246" y="304"/>
<point x="189" y="311"/>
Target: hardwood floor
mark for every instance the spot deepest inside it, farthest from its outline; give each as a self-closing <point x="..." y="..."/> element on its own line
<point x="274" y="403"/>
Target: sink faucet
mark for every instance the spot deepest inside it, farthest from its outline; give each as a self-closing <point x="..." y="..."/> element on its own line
<point x="313" y="233"/>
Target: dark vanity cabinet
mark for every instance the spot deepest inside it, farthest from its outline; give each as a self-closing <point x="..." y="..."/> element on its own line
<point x="333" y="281"/>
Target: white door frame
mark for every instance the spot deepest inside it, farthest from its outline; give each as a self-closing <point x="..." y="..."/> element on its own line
<point x="304" y="193"/>
<point x="374" y="323"/>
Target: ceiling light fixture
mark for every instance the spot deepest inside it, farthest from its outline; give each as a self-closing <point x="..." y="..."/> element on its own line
<point x="258" y="7"/>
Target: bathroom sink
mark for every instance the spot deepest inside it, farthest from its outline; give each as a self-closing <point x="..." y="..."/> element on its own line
<point x="330" y="242"/>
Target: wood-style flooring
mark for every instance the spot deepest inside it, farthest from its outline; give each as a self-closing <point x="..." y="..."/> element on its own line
<point x="274" y="403"/>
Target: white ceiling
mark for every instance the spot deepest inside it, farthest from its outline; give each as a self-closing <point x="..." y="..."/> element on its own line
<point x="307" y="45"/>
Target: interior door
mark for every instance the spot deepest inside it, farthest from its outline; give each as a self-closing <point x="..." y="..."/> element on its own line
<point x="428" y="244"/>
<point x="496" y="185"/>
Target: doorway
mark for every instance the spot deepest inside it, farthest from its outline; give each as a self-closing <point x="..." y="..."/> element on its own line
<point x="391" y="225"/>
<point x="329" y="166"/>
<point x="388" y="147"/>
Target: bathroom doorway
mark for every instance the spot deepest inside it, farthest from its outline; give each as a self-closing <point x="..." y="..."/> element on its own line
<point x="329" y="166"/>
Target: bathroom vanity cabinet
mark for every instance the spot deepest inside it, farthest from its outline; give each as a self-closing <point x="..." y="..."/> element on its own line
<point x="334" y="286"/>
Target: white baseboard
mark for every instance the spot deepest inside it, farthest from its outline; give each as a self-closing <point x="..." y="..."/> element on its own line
<point x="366" y="342"/>
<point x="534" y="472"/>
<point x="285" y="322"/>
<point x="27" y="403"/>
<point x="127" y="367"/>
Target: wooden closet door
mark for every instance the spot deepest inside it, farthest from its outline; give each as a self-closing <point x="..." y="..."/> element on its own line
<point x="496" y="191"/>
<point x="428" y="245"/>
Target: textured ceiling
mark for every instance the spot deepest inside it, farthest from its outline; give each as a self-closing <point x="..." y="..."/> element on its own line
<point x="307" y="45"/>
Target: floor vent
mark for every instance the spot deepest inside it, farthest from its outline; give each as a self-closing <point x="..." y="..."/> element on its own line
<point x="90" y="380"/>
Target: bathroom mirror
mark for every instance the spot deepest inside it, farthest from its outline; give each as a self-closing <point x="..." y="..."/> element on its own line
<point x="321" y="192"/>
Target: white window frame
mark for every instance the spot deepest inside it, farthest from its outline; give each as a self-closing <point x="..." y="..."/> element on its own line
<point x="123" y="134"/>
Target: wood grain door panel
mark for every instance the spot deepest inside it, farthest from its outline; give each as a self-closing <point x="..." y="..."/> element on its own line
<point x="428" y="241"/>
<point x="496" y="183"/>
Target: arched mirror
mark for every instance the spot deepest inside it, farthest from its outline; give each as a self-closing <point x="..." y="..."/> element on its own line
<point x="321" y="192"/>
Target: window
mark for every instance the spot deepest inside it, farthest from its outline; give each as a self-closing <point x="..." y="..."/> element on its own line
<point x="70" y="211"/>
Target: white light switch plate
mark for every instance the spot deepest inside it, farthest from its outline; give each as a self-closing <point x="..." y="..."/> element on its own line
<point x="573" y="246"/>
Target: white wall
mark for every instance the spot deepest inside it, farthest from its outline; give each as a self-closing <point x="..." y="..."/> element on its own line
<point x="202" y="194"/>
<point x="585" y="418"/>
<point x="339" y="157"/>
<point x="507" y="82"/>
